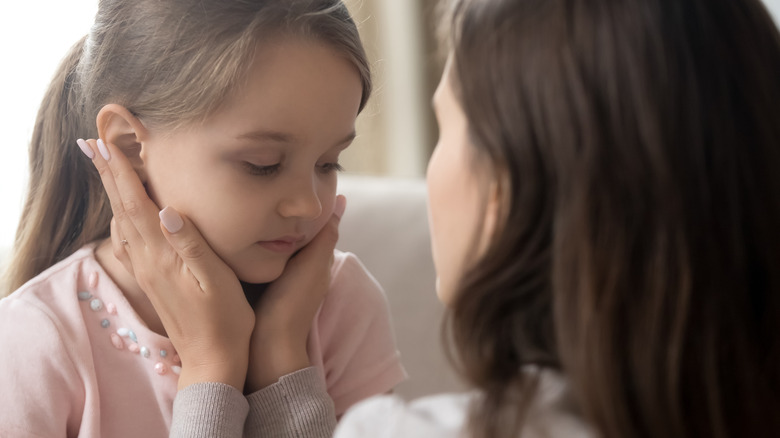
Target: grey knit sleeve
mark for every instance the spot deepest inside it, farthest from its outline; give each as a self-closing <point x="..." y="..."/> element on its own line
<point x="213" y="410"/>
<point x="298" y="405"/>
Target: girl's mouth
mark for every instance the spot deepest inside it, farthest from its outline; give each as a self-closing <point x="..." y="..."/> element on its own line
<point x="282" y="245"/>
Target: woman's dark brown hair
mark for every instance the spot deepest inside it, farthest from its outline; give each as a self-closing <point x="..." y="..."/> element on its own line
<point x="637" y="144"/>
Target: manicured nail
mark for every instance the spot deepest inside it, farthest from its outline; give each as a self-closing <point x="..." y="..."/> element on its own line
<point x="85" y="148"/>
<point x="341" y="205"/>
<point x="171" y="220"/>
<point x="103" y="150"/>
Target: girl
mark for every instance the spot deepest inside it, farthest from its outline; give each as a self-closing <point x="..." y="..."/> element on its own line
<point x="604" y="204"/>
<point x="236" y="113"/>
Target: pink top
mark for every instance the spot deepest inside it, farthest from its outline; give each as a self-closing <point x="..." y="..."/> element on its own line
<point x="78" y="361"/>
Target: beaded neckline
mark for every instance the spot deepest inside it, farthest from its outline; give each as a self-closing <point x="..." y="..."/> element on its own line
<point x="163" y="361"/>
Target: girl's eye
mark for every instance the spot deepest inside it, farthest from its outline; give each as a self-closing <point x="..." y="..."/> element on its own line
<point x="331" y="167"/>
<point x="254" y="169"/>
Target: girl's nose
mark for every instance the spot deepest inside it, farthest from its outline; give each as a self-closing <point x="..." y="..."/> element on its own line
<point x="301" y="201"/>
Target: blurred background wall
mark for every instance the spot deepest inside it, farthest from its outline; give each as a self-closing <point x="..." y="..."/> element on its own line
<point x="397" y="131"/>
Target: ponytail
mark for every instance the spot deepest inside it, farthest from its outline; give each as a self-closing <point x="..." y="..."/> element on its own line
<point x="65" y="205"/>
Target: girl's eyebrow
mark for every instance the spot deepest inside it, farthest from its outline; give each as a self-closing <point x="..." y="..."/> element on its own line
<point x="286" y="138"/>
<point x="268" y="136"/>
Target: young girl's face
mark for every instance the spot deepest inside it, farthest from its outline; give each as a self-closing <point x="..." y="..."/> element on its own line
<point x="258" y="178"/>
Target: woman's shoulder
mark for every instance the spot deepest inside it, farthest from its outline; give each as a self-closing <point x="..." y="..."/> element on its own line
<point x="552" y="413"/>
<point x="439" y="416"/>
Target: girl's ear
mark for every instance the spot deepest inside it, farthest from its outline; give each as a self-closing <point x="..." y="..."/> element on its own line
<point x="118" y="126"/>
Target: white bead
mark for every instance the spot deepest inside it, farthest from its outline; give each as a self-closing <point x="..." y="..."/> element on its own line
<point x="96" y="304"/>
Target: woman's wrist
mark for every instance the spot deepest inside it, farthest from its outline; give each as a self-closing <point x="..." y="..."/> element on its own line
<point x="273" y="365"/>
<point x="229" y="369"/>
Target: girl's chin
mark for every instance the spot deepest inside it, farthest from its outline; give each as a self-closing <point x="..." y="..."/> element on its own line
<point x="255" y="283"/>
<point x="259" y="276"/>
<point x="257" y="268"/>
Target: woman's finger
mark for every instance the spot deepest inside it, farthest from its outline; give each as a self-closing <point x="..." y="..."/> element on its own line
<point x="322" y="246"/>
<point x="119" y="246"/>
<point x="185" y="238"/>
<point x="122" y="225"/>
<point x="310" y="268"/>
<point x="134" y="212"/>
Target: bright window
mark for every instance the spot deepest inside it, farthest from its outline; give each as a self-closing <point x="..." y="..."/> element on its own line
<point x="34" y="36"/>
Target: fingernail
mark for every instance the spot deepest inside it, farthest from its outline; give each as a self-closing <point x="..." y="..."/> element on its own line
<point x="85" y="148"/>
<point x="341" y="205"/>
<point x="171" y="220"/>
<point x="103" y="150"/>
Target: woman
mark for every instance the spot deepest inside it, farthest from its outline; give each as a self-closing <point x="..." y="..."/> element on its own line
<point x="604" y="200"/>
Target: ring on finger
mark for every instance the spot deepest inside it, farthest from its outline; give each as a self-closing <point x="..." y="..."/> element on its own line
<point x="123" y="242"/>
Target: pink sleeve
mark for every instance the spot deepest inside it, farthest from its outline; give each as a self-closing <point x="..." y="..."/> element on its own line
<point x="41" y="392"/>
<point x="360" y="357"/>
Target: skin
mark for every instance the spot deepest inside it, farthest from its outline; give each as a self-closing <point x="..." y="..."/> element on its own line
<point x="254" y="183"/>
<point x="462" y="199"/>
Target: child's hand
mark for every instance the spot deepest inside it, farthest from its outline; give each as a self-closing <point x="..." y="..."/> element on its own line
<point x="197" y="296"/>
<point x="286" y="310"/>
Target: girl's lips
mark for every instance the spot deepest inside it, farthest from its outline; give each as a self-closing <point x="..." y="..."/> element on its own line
<point x="285" y="245"/>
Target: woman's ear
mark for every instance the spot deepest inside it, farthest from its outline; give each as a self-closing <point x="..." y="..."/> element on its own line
<point x="118" y="126"/>
<point x="491" y="221"/>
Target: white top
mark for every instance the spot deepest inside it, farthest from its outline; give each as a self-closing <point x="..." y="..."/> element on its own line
<point x="439" y="416"/>
<point x="444" y="416"/>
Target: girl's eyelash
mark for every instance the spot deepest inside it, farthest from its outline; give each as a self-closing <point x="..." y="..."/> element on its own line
<point x="261" y="170"/>
<point x="331" y="167"/>
<point x="272" y="169"/>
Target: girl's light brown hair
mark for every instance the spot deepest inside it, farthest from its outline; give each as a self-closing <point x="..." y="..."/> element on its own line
<point x="638" y="145"/>
<point x="170" y="63"/>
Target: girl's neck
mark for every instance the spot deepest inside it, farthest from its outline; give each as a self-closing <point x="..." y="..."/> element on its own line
<point x="253" y="292"/>
<point x="129" y="286"/>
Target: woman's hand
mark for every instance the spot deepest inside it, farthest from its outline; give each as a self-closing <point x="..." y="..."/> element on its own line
<point x="286" y="310"/>
<point x="196" y="295"/>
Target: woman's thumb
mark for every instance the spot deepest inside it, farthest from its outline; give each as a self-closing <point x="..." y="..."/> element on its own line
<point x="329" y="235"/>
<point x="171" y="220"/>
<point x="193" y="249"/>
<point x="341" y="205"/>
<point x="325" y="241"/>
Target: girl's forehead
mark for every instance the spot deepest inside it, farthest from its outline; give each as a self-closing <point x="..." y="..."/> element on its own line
<point x="295" y="91"/>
